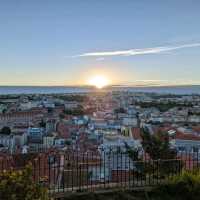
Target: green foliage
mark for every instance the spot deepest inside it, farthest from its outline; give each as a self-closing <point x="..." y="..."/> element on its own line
<point x="119" y="110"/>
<point x="68" y="142"/>
<point x="109" y="195"/>
<point x="162" y="162"/>
<point x="5" y="130"/>
<point x="42" y="124"/>
<point x="133" y="153"/>
<point x="4" y="110"/>
<point x="75" y="111"/>
<point x="50" y="110"/>
<point x="3" y="97"/>
<point x="77" y="98"/>
<point x="162" y="107"/>
<point x="157" y="145"/>
<point x="142" y="167"/>
<point x="19" y="185"/>
<point x="181" y="187"/>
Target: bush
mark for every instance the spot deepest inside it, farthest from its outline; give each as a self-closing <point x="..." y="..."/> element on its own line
<point x="181" y="187"/>
<point x="5" y="130"/>
<point x="19" y="185"/>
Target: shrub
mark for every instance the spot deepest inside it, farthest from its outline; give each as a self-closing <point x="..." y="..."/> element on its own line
<point x="181" y="187"/>
<point x="5" y="130"/>
<point x="19" y="185"/>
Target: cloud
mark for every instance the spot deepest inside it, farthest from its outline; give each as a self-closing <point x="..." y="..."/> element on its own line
<point x="133" y="52"/>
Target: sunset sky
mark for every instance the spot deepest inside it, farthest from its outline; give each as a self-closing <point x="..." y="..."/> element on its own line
<point x="69" y="42"/>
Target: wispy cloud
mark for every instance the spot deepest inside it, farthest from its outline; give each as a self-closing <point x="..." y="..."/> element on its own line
<point x="133" y="52"/>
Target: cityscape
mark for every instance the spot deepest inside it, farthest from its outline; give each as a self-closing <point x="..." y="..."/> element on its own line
<point x="89" y="122"/>
<point x="99" y="100"/>
<point x="94" y="133"/>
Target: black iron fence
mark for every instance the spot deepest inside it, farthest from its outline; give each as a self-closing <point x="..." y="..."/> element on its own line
<point x="64" y="172"/>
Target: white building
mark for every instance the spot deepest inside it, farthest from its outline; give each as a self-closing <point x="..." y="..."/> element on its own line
<point x="115" y="141"/>
<point x="13" y="141"/>
<point x="130" y="121"/>
<point x="28" y="105"/>
<point x="194" y="119"/>
<point x="48" y="141"/>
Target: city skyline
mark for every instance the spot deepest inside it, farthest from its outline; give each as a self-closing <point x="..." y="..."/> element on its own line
<point x="123" y="43"/>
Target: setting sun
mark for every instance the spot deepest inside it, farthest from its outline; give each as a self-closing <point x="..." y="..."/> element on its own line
<point x="99" y="81"/>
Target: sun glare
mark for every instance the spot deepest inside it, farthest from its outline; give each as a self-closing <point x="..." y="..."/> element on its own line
<point x="99" y="81"/>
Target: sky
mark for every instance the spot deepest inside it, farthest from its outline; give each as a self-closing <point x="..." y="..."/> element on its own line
<point x="68" y="42"/>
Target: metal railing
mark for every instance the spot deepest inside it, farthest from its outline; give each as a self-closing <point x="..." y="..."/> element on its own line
<point x="67" y="172"/>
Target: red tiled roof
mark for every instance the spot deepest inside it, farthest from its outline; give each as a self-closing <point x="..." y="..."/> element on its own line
<point x="186" y="136"/>
<point x="63" y="130"/>
<point x="136" y="134"/>
<point x="196" y="128"/>
<point x="180" y="135"/>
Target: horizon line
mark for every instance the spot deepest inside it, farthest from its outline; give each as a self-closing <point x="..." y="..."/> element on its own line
<point x="107" y="86"/>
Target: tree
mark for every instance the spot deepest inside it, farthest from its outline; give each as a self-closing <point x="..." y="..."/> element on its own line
<point x="18" y="185"/>
<point x="183" y="186"/>
<point x="75" y="111"/>
<point x="162" y="158"/>
<point x="49" y="110"/>
<point x="5" y="130"/>
<point x="68" y="142"/>
<point x="119" y="110"/>
<point x="157" y="145"/>
<point x="142" y="167"/>
<point x="42" y="124"/>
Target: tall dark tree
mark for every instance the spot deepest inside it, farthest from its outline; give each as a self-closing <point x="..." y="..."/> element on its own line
<point x="42" y="124"/>
<point x="157" y="145"/>
<point x="5" y="130"/>
<point x="163" y="158"/>
<point x="119" y="110"/>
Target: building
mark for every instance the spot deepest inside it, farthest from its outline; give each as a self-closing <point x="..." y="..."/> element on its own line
<point x="13" y="142"/>
<point x="130" y="121"/>
<point x="48" y="140"/>
<point x="3" y="107"/>
<point x="185" y="142"/>
<point x="50" y="125"/>
<point x="35" y="134"/>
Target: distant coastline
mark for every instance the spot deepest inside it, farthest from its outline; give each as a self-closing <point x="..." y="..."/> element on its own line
<point x="183" y="89"/>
